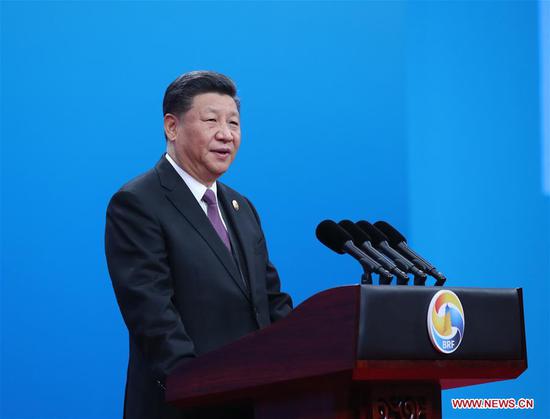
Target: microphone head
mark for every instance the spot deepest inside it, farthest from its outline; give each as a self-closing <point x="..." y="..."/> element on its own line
<point x="358" y="235"/>
<point x="332" y="235"/>
<point x="394" y="236"/>
<point x="376" y="235"/>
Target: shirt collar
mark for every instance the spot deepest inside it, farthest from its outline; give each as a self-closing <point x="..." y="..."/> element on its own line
<point x="197" y="188"/>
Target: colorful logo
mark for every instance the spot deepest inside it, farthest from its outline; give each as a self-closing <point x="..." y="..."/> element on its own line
<point x="445" y="321"/>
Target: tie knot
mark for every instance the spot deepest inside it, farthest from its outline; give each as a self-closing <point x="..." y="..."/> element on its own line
<point x="209" y="197"/>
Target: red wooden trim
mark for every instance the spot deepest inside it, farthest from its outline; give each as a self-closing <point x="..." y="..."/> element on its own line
<point x="450" y="373"/>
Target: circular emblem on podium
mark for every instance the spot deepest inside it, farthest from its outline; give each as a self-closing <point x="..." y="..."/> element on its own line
<point x="446" y="321"/>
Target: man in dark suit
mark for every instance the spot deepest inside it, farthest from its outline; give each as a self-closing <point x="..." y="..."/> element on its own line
<point x="186" y="254"/>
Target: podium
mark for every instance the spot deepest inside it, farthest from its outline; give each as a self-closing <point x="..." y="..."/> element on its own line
<point x="358" y="352"/>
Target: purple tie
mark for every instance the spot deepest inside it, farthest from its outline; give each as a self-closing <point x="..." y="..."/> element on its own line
<point x="214" y="216"/>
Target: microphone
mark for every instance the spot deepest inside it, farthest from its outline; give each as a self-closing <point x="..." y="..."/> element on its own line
<point x="363" y="241"/>
<point x="337" y="239"/>
<point x="381" y="242"/>
<point x="398" y="241"/>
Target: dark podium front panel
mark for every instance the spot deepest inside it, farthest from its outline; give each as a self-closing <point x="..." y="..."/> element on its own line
<point x="393" y="324"/>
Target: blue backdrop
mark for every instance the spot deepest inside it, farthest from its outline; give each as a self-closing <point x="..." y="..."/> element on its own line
<point x="424" y="114"/>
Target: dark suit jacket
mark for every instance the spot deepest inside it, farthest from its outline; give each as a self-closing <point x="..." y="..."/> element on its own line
<point x="178" y="287"/>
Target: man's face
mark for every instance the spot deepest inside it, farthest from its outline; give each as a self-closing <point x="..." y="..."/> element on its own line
<point x="206" y="138"/>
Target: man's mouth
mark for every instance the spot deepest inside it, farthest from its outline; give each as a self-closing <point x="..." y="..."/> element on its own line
<point x="222" y="152"/>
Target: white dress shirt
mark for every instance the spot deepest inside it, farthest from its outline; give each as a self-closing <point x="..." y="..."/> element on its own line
<point x="197" y="188"/>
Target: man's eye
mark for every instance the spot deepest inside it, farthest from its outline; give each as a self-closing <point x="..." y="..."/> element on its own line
<point x="234" y="123"/>
<point x="210" y="120"/>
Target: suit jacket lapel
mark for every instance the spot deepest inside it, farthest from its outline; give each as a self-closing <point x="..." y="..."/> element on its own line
<point x="236" y="219"/>
<point x="181" y="197"/>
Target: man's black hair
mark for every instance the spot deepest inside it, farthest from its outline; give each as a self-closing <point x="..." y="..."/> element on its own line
<point x="179" y="95"/>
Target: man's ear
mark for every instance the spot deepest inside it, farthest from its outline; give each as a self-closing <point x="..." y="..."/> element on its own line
<point x="170" y="126"/>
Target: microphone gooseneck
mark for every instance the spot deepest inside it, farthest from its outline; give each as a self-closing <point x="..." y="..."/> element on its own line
<point x="380" y="241"/>
<point x="399" y="242"/>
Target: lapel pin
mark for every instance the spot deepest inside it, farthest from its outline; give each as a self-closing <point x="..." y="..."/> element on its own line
<point x="235" y="205"/>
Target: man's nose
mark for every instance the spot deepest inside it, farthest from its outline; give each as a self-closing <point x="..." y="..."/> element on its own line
<point x="224" y="133"/>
